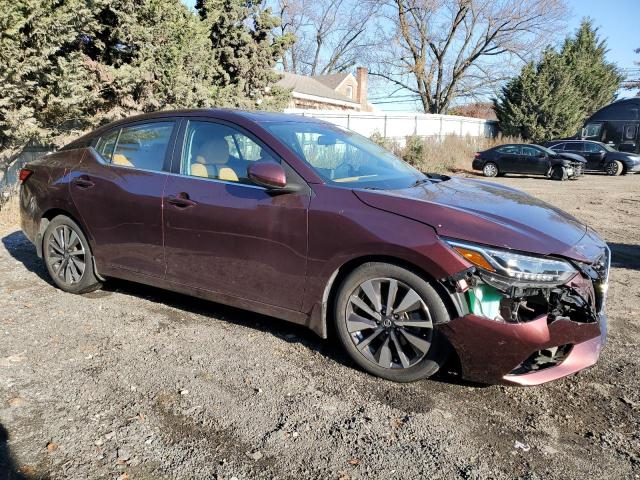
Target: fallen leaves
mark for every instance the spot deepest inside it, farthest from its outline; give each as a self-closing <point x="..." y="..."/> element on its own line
<point x="16" y="401"/>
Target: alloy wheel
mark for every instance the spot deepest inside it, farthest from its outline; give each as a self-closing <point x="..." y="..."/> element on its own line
<point x="612" y="168"/>
<point x="66" y="255"/>
<point x="490" y="170"/>
<point x="389" y="323"/>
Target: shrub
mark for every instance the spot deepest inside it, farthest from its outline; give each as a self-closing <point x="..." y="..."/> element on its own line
<point x="452" y="154"/>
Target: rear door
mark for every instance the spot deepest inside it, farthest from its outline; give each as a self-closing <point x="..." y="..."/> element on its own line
<point x="118" y="191"/>
<point x="227" y="235"/>
<point x="594" y="154"/>
<point x="509" y="159"/>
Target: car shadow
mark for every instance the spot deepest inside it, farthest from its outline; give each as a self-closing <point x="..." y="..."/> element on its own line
<point x="22" y="250"/>
<point x="8" y="468"/>
<point x="624" y="255"/>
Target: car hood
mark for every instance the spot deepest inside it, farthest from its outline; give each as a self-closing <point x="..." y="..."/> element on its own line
<point x="571" y="156"/>
<point x="624" y="157"/>
<point x="490" y="214"/>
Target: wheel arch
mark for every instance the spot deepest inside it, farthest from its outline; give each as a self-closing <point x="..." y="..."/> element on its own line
<point x="47" y="217"/>
<point x="321" y="319"/>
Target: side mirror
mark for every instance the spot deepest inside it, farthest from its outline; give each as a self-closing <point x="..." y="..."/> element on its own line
<point x="268" y="174"/>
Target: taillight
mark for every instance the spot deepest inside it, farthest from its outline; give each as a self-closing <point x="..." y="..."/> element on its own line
<point x="24" y="174"/>
<point x="477" y="155"/>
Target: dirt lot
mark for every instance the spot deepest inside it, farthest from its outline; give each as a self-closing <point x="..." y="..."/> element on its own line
<point x="134" y="382"/>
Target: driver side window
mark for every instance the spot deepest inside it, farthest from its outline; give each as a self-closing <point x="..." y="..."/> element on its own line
<point x="218" y="151"/>
<point x="531" y="152"/>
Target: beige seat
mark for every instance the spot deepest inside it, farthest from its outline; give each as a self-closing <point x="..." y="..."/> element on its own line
<point x="119" y="159"/>
<point x="212" y="159"/>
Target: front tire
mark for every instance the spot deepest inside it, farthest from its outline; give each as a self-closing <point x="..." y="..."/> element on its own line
<point x="385" y="317"/>
<point x="559" y="173"/>
<point x="490" y="169"/>
<point x="613" y="168"/>
<point x="67" y="256"/>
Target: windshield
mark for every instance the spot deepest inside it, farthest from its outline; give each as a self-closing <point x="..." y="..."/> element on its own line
<point x="344" y="158"/>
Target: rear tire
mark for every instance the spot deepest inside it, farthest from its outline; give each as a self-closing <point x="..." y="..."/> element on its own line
<point x="490" y="169"/>
<point x="613" y="168"/>
<point x="384" y="318"/>
<point x="559" y="173"/>
<point x="67" y="256"/>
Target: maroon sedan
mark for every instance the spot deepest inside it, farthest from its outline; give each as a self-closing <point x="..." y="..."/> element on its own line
<point x="302" y="220"/>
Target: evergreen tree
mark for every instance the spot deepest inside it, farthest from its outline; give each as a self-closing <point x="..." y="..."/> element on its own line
<point x="245" y="51"/>
<point x="552" y="97"/>
<point x="542" y="102"/>
<point x="45" y="87"/>
<point x="69" y="65"/>
<point x="148" y="56"/>
<point x="595" y="79"/>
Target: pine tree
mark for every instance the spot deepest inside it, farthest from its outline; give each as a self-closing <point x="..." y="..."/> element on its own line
<point x="245" y="50"/>
<point x="45" y="87"/>
<point x="149" y="56"/>
<point x="552" y="97"/>
<point x="542" y="102"/>
<point x="596" y="80"/>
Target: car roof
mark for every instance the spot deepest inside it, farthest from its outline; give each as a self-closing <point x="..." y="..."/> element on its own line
<point x="556" y="142"/>
<point x="229" y="114"/>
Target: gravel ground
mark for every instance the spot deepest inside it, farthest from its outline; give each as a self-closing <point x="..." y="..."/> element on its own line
<point x="132" y="382"/>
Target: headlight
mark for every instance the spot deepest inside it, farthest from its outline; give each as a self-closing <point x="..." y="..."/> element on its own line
<point x="519" y="267"/>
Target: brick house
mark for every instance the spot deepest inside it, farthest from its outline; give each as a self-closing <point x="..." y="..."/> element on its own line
<point x="338" y="91"/>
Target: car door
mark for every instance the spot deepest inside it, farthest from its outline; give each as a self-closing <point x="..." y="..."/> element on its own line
<point x="118" y="188"/>
<point x="508" y="159"/>
<point x="226" y="235"/>
<point x="574" y="147"/>
<point x="533" y="161"/>
<point x="594" y="154"/>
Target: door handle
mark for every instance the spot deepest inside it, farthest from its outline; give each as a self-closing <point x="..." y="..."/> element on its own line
<point x="83" y="182"/>
<point x="181" y="200"/>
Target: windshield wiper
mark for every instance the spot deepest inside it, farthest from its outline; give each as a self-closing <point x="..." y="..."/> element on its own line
<point x="420" y="181"/>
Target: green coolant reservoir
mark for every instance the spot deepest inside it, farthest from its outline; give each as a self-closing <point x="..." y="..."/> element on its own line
<point x="484" y="300"/>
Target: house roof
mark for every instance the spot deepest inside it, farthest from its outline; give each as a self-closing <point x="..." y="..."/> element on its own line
<point x="332" y="80"/>
<point x="305" y="85"/>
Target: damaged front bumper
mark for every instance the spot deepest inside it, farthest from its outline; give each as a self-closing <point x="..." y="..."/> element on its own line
<point x="528" y="336"/>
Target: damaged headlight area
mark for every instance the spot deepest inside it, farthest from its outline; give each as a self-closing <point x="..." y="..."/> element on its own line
<point x="516" y="287"/>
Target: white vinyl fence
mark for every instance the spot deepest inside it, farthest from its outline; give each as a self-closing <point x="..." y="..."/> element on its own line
<point x="398" y="126"/>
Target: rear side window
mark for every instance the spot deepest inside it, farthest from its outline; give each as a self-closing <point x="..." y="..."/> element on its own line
<point x="574" y="146"/>
<point x="512" y="149"/>
<point x="530" y="151"/>
<point x="559" y="146"/>
<point x="593" y="148"/>
<point x="143" y="146"/>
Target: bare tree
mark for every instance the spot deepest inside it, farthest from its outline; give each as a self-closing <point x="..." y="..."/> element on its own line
<point x="331" y="35"/>
<point x="633" y="77"/>
<point x="440" y="50"/>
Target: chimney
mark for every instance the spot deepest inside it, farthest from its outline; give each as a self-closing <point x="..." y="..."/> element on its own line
<point x="362" y="77"/>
